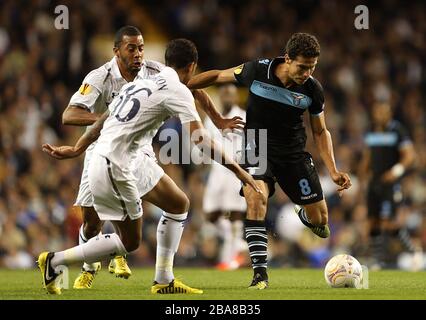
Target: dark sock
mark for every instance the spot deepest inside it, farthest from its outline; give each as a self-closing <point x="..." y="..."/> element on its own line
<point x="257" y="241"/>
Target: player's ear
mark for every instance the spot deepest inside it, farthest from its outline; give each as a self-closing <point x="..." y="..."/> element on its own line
<point x="116" y="51"/>
<point x="287" y="59"/>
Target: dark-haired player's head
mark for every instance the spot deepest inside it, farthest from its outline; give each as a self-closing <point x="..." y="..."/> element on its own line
<point x="381" y="113"/>
<point x="128" y="48"/>
<point x="182" y="55"/>
<point x="301" y="55"/>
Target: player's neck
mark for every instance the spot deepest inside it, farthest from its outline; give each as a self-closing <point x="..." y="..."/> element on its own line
<point x="125" y="73"/>
<point x="281" y="72"/>
<point x="381" y="126"/>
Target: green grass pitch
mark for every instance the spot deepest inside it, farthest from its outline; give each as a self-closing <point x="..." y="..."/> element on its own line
<point x="219" y="285"/>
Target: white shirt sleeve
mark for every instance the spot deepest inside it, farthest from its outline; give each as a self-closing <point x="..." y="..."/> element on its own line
<point x="90" y="89"/>
<point x="181" y="104"/>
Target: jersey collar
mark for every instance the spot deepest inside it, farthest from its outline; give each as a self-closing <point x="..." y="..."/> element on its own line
<point x="115" y="71"/>
<point x="272" y="65"/>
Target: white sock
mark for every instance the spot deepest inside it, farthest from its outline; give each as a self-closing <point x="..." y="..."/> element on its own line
<point x="169" y="232"/>
<point x="224" y="229"/>
<point x="82" y="240"/>
<point x="237" y="236"/>
<point x="96" y="249"/>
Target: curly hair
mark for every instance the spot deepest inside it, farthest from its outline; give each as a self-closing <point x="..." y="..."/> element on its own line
<point x="302" y="44"/>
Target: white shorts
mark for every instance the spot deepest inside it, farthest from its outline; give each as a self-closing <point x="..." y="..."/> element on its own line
<point x="146" y="170"/>
<point x="115" y="192"/>
<point x="222" y="192"/>
<point x="84" y="197"/>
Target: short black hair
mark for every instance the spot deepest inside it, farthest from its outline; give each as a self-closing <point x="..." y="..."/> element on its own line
<point x="180" y="53"/>
<point x="125" y="31"/>
<point x="302" y="44"/>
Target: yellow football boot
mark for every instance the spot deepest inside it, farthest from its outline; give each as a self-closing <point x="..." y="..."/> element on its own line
<point x="119" y="267"/>
<point x="259" y="283"/>
<point x="176" y="286"/>
<point x="48" y="273"/>
<point x="85" y="278"/>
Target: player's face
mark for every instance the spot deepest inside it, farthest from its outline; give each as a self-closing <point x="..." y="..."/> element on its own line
<point x="228" y="95"/>
<point x="381" y="113"/>
<point x="301" y="68"/>
<point x="130" y="53"/>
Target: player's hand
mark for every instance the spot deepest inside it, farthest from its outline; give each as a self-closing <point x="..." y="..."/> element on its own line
<point x="388" y="177"/>
<point x="61" y="152"/>
<point x="236" y="123"/>
<point x="343" y="180"/>
<point x="248" y="179"/>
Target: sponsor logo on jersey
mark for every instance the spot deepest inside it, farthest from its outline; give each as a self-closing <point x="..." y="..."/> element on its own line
<point x="297" y="98"/>
<point x="239" y="69"/>
<point x="85" y="89"/>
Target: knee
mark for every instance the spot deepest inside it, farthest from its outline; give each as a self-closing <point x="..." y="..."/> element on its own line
<point x="180" y="205"/>
<point x="92" y="229"/>
<point x="131" y="244"/>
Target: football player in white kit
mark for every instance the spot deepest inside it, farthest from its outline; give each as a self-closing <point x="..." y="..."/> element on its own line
<point x="97" y="91"/>
<point x="133" y="119"/>
<point x="224" y="198"/>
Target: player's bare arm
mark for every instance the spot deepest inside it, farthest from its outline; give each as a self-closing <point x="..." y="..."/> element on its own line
<point x="323" y="141"/>
<point x="78" y="116"/>
<point x="209" y="144"/>
<point x="211" y="77"/>
<point x="90" y="136"/>
<point x="204" y="102"/>
<point x="407" y="156"/>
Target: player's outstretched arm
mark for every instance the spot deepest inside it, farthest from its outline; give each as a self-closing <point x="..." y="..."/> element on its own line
<point x="211" y="77"/>
<point x="90" y="136"/>
<point x="323" y="141"/>
<point x="78" y="116"/>
<point x="212" y="148"/>
<point x="204" y="102"/>
<point x="407" y="156"/>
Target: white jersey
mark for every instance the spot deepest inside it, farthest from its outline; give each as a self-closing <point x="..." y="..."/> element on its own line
<point x="97" y="91"/>
<point x="139" y="111"/>
<point x="103" y="84"/>
<point x="231" y="142"/>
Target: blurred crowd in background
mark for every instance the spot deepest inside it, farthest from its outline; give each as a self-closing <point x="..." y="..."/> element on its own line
<point x="41" y="67"/>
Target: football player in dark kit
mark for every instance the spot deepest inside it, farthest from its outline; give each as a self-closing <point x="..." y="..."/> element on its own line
<point x="388" y="154"/>
<point x="281" y="90"/>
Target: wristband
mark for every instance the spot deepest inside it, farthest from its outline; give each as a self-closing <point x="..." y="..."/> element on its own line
<point x="398" y="170"/>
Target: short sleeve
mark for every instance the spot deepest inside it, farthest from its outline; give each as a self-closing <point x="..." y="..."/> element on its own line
<point x="89" y="90"/>
<point x="246" y="72"/>
<point x="403" y="137"/>
<point x="181" y="104"/>
<point x="317" y="105"/>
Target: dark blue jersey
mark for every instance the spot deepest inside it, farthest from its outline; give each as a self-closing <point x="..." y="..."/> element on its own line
<point x="384" y="147"/>
<point x="278" y="109"/>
